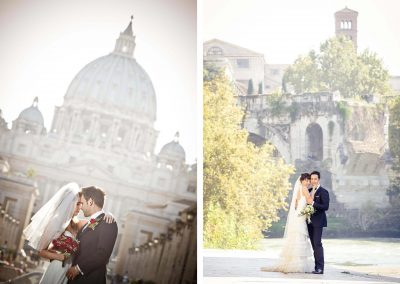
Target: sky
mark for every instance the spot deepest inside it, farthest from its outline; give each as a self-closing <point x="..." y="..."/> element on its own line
<point x="45" y="43"/>
<point x="282" y="30"/>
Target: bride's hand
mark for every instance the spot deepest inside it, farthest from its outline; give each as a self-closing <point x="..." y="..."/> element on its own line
<point x="109" y="218"/>
<point x="305" y="191"/>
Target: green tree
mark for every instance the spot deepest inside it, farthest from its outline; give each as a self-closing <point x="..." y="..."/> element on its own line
<point x="337" y="67"/>
<point x="244" y="185"/>
<point x="260" y="88"/>
<point x="250" y="87"/>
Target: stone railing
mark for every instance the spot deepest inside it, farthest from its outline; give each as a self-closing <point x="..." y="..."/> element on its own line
<point x="8" y="230"/>
<point x="170" y="258"/>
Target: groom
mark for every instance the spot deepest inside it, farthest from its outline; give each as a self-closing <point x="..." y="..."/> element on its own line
<point x="320" y="201"/>
<point x="97" y="239"/>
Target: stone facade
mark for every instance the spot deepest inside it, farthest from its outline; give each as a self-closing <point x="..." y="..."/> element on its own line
<point x="103" y="134"/>
<point x="245" y="64"/>
<point x="313" y="134"/>
<point x="18" y="193"/>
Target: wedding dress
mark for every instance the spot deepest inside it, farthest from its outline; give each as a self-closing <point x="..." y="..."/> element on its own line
<point x="56" y="272"/>
<point x="296" y="254"/>
<point x="49" y="225"/>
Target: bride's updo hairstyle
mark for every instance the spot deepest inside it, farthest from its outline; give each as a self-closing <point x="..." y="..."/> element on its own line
<point x="305" y="176"/>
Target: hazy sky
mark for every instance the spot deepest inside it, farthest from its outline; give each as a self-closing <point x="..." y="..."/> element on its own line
<point x="284" y="29"/>
<point x="45" y="43"/>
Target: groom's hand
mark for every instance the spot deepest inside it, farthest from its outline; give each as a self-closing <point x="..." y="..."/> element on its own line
<point x="72" y="272"/>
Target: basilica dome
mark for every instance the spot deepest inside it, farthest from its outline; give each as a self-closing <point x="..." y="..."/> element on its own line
<point x="173" y="150"/>
<point x="32" y="114"/>
<point x="116" y="81"/>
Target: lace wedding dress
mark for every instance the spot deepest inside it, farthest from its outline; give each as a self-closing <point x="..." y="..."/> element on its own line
<point x="296" y="254"/>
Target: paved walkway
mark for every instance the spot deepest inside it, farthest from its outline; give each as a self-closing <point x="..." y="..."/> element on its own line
<point x="244" y="267"/>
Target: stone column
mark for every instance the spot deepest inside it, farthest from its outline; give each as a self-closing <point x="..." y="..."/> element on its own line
<point x="114" y="132"/>
<point x="94" y="125"/>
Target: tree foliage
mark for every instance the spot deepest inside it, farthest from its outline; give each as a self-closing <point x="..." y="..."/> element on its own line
<point x="337" y="67"/>
<point x="244" y="185"/>
<point x="394" y="138"/>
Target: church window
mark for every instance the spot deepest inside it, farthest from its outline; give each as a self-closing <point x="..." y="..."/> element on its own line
<point x="121" y="135"/>
<point x="243" y="63"/>
<point x="86" y="126"/>
<point x="170" y="167"/>
<point x="124" y="48"/>
<point x="214" y="50"/>
<point x="103" y="130"/>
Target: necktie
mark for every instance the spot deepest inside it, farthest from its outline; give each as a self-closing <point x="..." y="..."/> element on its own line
<point x="313" y="192"/>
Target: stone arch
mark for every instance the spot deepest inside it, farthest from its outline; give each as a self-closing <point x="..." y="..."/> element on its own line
<point x="314" y="142"/>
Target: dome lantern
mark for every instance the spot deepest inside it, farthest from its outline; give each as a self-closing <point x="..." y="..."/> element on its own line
<point x="125" y="44"/>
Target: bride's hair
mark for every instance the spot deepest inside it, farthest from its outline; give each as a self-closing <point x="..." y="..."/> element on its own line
<point x="304" y="176"/>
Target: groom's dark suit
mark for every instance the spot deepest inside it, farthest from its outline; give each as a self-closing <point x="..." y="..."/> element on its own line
<point x="318" y="221"/>
<point x="95" y="249"/>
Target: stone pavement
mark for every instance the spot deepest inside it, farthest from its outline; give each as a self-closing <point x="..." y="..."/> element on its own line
<point x="243" y="267"/>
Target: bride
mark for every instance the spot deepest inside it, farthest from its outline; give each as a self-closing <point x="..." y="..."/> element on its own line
<point x="53" y="231"/>
<point x="296" y="254"/>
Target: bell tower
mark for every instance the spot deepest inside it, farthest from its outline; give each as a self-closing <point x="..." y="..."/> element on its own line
<point x="346" y="24"/>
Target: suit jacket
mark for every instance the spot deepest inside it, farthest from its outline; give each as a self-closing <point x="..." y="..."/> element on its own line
<point x="321" y="204"/>
<point x="94" y="252"/>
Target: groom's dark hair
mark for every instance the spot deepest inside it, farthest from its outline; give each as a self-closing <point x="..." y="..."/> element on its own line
<point x="316" y="173"/>
<point x="95" y="193"/>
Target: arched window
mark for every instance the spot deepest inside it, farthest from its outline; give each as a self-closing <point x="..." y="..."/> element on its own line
<point x="214" y="50"/>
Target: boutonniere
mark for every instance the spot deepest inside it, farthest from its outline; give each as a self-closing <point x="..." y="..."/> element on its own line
<point x="93" y="223"/>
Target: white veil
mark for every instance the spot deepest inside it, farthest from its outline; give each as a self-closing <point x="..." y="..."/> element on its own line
<point x="53" y="218"/>
<point x="292" y="211"/>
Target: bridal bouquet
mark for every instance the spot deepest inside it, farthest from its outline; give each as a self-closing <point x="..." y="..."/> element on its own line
<point x="308" y="211"/>
<point x="65" y="245"/>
